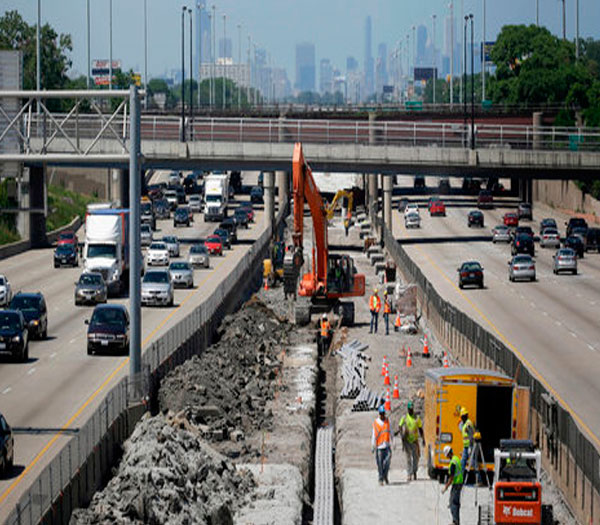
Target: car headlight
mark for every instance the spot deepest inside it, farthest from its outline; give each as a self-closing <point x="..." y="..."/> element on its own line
<point x="120" y="337"/>
<point x="91" y="336"/>
<point x="35" y="322"/>
<point x="16" y="339"/>
<point x="98" y="292"/>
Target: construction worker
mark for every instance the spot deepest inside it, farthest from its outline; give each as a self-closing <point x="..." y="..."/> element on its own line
<point x="374" y="307"/>
<point x="324" y="335"/>
<point x="467" y="430"/>
<point x="455" y="478"/>
<point x="387" y="310"/>
<point x="410" y="427"/>
<point x="382" y="441"/>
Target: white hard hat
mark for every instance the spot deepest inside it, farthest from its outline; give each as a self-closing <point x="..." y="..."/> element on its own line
<point x="324" y="316"/>
<point x="447" y="450"/>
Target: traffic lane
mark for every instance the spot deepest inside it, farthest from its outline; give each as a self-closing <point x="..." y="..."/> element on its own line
<point x="90" y="372"/>
<point x="548" y="346"/>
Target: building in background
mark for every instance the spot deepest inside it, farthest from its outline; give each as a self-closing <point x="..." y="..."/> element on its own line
<point x="422" y="58"/>
<point x="305" y="67"/>
<point x="225" y="48"/>
<point x="381" y="69"/>
<point x="325" y="76"/>
<point x="369" y="65"/>
<point x="202" y="38"/>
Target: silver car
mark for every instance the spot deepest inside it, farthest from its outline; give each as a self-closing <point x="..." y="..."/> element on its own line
<point x="5" y="291"/>
<point x="521" y="267"/>
<point x="146" y="234"/>
<point x="182" y="274"/>
<point x="500" y="233"/>
<point x="172" y="243"/>
<point x="157" y="288"/>
<point x="550" y="237"/>
<point x="199" y="256"/>
<point x="195" y="202"/>
<point x="565" y="260"/>
<point x="412" y="220"/>
<point x="90" y="289"/>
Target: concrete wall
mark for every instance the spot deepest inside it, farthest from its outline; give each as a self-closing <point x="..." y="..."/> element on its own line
<point x="89" y="181"/>
<point x="566" y="196"/>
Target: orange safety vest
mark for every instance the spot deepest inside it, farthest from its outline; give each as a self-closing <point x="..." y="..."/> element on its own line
<point x="382" y="432"/>
<point x="374" y="303"/>
<point x="398" y="321"/>
<point x="325" y="327"/>
<point x="387" y="307"/>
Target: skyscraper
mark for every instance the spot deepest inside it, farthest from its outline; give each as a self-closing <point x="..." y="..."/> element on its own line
<point x="202" y="41"/>
<point x="421" y="45"/>
<point x="325" y="76"/>
<point x="225" y="48"/>
<point x="369" y="63"/>
<point x="305" y="67"/>
<point x="381" y="70"/>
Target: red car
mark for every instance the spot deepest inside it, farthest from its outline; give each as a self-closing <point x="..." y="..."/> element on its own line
<point x="250" y="212"/>
<point x="67" y="237"/>
<point x="214" y="245"/>
<point x="437" y="208"/>
<point x="511" y="219"/>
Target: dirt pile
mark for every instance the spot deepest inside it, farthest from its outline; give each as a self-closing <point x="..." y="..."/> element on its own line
<point x="168" y="474"/>
<point x="225" y="391"/>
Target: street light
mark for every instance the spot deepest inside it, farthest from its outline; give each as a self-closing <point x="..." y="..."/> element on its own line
<point x="209" y="63"/>
<point x="145" y="52"/>
<point x="464" y="70"/>
<point x="88" y="44"/>
<point x="182" y="137"/>
<point x="239" y="26"/>
<point x="224" y="59"/>
<point x="214" y="54"/>
<point x="200" y="7"/>
<point x="483" y="60"/>
<point x="451" y="54"/>
<point x="472" y="88"/>
<point x="191" y="79"/>
<point x="434" y="57"/>
<point x="110" y="71"/>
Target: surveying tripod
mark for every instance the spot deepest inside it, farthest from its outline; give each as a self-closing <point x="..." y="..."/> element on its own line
<point x="477" y="460"/>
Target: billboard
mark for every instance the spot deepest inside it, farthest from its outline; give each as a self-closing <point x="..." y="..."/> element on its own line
<point x="486" y="50"/>
<point x="425" y="73"/>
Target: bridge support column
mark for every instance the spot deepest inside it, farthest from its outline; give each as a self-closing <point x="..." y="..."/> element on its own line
<point x="124" y="188"/>
<point x="269" y="181"/>
<point x="537" y="124"/>
<point x="372" y="196"/>
<point x="387" y="200"/>
<point x="37" y="200"/>
<point x="23" y="200"/>
<point x="283" y="190"/>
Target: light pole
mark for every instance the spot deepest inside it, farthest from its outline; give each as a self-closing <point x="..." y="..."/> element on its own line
<point x="110" y="71"/>
<point x="191" y="79"/>
<point x="38" y="61"/>
<point x="472" y="88"/>
<point x="483" y="60"/>
<point x="88" y="44"/>
<point x="464" y="71"/>
<point x="414" y="49"/>
<point x="577" y="29"/>
<point x="239" y="26"/>
<point x="537" y="13"/>
<point x="209" y="63"/>
<point x="224" y="59"/>
<point x="214" y="54"/>
<point x="463" y="65"/>
<point x="249" y="71"/>
<point x="199" y="7"/>
<point x="451" y="54"/>
<point x="182" y="138"/>
<point x="145" y="53"/>
<point x="434" y="57"/>
<point x="564" y="17"/>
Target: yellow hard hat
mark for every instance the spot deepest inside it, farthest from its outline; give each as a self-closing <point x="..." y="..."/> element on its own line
<point x="464" y="411"/>
<point x="375" y="290"/>
<point x="385" y="293"/>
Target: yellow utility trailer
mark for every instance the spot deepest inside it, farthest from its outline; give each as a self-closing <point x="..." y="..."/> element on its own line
<point x="498" y="407"/>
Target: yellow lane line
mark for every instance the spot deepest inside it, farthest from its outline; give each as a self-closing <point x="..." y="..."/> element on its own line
<point x="505" y="340"/>
<point x="66" y="426"/>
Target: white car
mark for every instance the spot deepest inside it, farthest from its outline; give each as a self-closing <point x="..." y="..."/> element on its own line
<point x="412" y="220"/>
<point x="172" y="243"/>
<point x="146" y="235"/>
<point x="195" y="202"/>
<point x="550" y="237"/>
<point x="5" y="291"/>
<point x="411" y="207"/>
<point x="171" y="196"/>
<point x="157" y="254"/>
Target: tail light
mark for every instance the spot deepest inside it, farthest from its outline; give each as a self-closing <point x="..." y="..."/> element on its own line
<point x="463" y="274"/>
<point x="532" y="267"/>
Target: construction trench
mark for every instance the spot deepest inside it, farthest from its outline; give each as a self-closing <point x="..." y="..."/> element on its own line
<point x="260" y="429"/>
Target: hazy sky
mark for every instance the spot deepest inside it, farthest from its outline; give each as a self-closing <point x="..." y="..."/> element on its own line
<point x="335" y="26"/>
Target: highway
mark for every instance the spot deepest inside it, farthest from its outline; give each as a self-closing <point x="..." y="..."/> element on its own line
<point x="552" y="323"/>
<point x="61" y="385"/>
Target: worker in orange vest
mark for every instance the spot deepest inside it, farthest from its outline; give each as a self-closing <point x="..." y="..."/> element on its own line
<point x="374" y="307"/>
<point x="382" y="440"/>
<point x="387" y="310"/>
<point x="324" y="335"/>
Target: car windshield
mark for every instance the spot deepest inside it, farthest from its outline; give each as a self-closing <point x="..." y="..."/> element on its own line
<point x="579" y="230"/>
<point x="146" y="207"/>
<point x="471" y="267"/>
<point x="2" y="282"/>
<point x="158" y="246"/>
<point x="169" y="240"/>
<point x="108" y="316"/>
<point x="101" y="250"/>
<point x="240" y="212"/>
<point x="522" y="259"/>
<point x="525" y="205"/>
<point x="88" y="278"/>
<point x="199" y="248"/>
<point x="566" y="253"/>
<point x="550" y="231"/>
<point x="213" y="239"/>
<point x="156" y="277"/>
<point x="64" y="249"/>
<point x="9" y="321"/>
<point x="573" y="240"/>
<point x="179" y="266"/>
<point x="25" y="303"/>
<point x="194" y="198"/>
<point x="501" y="229"/>
<point x="181" y="211"/>
<point x="145" y="228"/>
<point x="213" y="198"/>
<point x="221" y="232"/>
<point x="66" y="236"/>
<point x="170" y="193"/>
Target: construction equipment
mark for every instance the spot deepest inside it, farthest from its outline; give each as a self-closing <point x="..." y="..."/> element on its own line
<point x="341" y="194"/>
<point x="517" y="490"/>
<point x="273" y="266"/>
<point x="331" y="277"/>
<point x="497" y="406"/>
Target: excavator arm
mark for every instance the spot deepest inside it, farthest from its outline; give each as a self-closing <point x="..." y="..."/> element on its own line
<point x="336" y="199"/>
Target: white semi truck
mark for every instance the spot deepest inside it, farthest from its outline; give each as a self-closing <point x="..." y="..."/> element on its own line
<point x="216" y="196"/>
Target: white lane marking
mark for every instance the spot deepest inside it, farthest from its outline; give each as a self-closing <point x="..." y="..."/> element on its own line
<point x="545" y="314"/>
<point x="31" y="371"/>
<point x="72" y="340"/>
<point x="6" y="390"/>
<point x="591" y="348"/>
<point x="593" y="303"/>
<point x="532" y="304"/>
<point x="573" y="334"/>
<point x="578" y="295"/>
<point x="558" y="323"/>
<point x="52" y="355"/>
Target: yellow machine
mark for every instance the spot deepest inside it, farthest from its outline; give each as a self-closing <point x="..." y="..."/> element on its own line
<point x="497" y="406"/>
<point x="330" y="208"/>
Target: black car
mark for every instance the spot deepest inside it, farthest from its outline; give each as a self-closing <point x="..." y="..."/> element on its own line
<point x="14" y="336"/>
<point x="575" y="243"/>
<point x="180" y="194"/>
<point x="66" y="255"/>
<point x="475" y="218"/>
<point x="241" y="217"/>
<point x="575" y="222"/>
<point x="419" y="182"/>
<point x="147" y="214"/>
<point x="523" y="230"/>
<point x="229" y="225"/>
<point x="581" y="232"/>
<point x="470" y="272"/>
<point x="256" y="195"/>
<point x="592" y="240"/>
<point x="548" y="222"/>
<point x="34" y="310"/>
<point x="225" y="237"/>
<point x="525" y="211"/>
<point x="162" y="208"/>
<point x="523" y="243"/>
<point x="181" y="216"/>
<point x="402" y="205"/>
<point x="108" y="329"/>
<point x="7" y="446"/>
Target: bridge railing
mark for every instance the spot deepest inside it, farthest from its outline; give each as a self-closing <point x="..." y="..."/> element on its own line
<point x="359" y="132"/>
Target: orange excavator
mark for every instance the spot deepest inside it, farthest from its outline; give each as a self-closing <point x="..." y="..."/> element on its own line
<point x="331" y="277"/>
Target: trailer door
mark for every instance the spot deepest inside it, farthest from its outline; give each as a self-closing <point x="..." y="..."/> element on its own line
<point x="521" y="412"/>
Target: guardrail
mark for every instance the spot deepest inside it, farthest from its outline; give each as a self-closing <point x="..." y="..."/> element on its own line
<point x="569" y="455"/>
<point x="383" y="133"/>
<point x="84" y="463"/>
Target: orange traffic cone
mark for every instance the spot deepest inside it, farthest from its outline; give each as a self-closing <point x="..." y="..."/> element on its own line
<point x="409" y="359"/>
<point x="266" y="286"/>
<point x="397" y="322"/>
<point x="445" y="361"/>
<point x="383" y="366"/>
<point x="386" y="379"/>
<point x="396" y="392"/>
<point x="425" y="347"/>
<point x="388" y="401"/>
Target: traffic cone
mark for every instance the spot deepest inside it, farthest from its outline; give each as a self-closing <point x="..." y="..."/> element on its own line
<point x="445" y="361"/>
<point x="425" y="347"/>
<point x="386" y="379"/>
<point x="388" y="401"/>
<point x="396" y="392"/>
<point x="409" y="359"/>
<point x="397" y="322"/>
<point x="266" y="286"/>
<point x="383" y="366"/>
